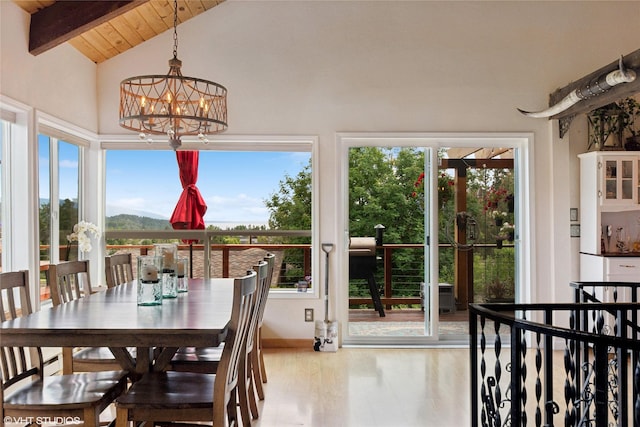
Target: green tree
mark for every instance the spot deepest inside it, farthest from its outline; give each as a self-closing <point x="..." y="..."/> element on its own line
<point x="290" y="207"/>
<point x="68" y="218"/>
<point x="386" y="186"/>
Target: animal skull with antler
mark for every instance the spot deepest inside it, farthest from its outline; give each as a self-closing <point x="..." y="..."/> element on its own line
<point x="602" y="84"/>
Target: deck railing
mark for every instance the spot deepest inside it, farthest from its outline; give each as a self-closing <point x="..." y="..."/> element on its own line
<point x="399" y="282"/>
<point x="595" y="364"/>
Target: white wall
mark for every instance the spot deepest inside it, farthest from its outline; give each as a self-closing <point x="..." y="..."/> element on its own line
<point x="325" y="67"/>
<point x="60" y="82"/>
<point x="321" y="67"/>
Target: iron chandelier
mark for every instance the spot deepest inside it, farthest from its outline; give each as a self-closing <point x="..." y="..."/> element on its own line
<point x="172" y="104"/>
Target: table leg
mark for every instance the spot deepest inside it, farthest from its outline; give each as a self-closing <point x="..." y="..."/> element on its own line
<point x="163" y="359"/>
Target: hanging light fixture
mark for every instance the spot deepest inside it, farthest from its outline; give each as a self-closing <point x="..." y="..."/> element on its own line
<point x="172" y="104"/>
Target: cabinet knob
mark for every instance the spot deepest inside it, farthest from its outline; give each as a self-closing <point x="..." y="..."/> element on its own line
<point x="626" y="266"/>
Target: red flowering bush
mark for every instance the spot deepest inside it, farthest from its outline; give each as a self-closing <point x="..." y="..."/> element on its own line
<point x="446" y="188"/>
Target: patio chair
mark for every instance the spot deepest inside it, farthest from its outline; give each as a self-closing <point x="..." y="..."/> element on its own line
<point x="70" y="281"/>
<point x="28" y="393"/>
<point x="118" y="269"/>
<point x="189" y="396"/>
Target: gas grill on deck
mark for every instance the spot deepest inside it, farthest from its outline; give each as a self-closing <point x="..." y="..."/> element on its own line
<point x="363" y="265"/>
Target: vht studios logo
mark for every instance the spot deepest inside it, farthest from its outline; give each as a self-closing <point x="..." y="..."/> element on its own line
<point x="42" y="420"/>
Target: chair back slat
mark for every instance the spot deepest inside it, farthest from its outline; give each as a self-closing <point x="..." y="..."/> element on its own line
<point x="262" y="292"/>
<point x="270" y="259"/>
<point x="227" y="373"/>
<point x="118" y="269"/>
<point x="69" y="281"/>
<point x="17" y="363"/>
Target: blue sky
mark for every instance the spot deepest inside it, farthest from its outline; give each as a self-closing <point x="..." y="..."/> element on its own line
<point x="233" y="184"/>
<point x="146" y="182"/>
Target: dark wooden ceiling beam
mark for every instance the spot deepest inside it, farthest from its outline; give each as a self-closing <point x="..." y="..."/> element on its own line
<point x="65" y="20"/>
<point x="616" y="93"/>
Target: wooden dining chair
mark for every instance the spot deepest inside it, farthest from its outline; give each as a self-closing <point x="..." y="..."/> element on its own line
<point x="206" y="360"/>
<point x="118" y="269"/>
<point x="27" y="393"/>
<point x="189" y="396"/>
<point x="250" y="368"/>
<point x="69" y="281"/>
<point x="270" y="258"/>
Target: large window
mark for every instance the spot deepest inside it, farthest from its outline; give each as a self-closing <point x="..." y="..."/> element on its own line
<point x="59" y="199"/>
<point x="248" y="194"/>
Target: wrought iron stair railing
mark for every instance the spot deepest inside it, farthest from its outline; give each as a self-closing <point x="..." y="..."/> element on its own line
<point x="555" y="364"/>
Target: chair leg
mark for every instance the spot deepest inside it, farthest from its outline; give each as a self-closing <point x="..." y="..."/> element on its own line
<point x="251" y="393"/>
<point x="91" y="417"/>
<point x="243" y="395"/>
<point x="122" y="417"/>
<point x="255" y="371"/>
<point x="67" y="360"/>
<point x="263" y="370"/>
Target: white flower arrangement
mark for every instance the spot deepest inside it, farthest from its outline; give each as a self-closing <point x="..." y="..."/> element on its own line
<point x="79" y="235"/>
<point x="506" y="229"/>
<point x="498" y="214"/>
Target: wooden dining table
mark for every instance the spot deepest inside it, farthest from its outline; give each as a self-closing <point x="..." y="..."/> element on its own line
<point x="112" y="318"/>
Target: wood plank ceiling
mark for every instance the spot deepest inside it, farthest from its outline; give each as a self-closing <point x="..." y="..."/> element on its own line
<point x="103" y="29"/>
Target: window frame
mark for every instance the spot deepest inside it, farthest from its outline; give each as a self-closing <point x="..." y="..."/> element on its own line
<point x="239" y="143"/>
<point x="59" y="130"/>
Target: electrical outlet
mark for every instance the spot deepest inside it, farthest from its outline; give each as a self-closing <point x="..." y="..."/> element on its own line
<point x="308" y="314"/>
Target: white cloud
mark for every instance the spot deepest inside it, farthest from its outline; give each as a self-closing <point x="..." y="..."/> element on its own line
<point x="69" y="164"/>
<point x="240" y="208"/>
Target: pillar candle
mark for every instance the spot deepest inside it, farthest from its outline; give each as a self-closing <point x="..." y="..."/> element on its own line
<point x="149" y="273"/>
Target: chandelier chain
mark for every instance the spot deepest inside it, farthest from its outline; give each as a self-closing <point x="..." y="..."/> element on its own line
<point x="175" y="29"/>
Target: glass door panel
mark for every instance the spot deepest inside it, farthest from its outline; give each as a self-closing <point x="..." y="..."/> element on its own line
<point x="388" y="291"/>
<point x="611" y="180"/>
<point x="627" y="179"/>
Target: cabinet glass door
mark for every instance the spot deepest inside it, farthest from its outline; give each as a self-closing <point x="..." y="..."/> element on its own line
<point x="611" y="180"/>
<point x="627" y="180"/>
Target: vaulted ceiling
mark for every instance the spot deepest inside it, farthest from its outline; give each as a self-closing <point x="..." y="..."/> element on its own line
<point x="102" y="29"/>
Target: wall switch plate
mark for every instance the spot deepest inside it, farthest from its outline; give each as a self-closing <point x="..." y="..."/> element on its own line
<point x="308" y="314"/>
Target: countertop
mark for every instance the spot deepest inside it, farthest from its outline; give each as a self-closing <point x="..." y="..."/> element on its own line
<point x="616" y="254"/>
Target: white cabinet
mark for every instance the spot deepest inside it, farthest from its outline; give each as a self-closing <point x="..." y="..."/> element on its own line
<point x="596" y="268"/>
<point x="620" y="180"/>
<point x="612" y="177"/>
<point x="609" y="196"/>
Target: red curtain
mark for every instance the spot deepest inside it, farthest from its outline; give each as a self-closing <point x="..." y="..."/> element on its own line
<point x="190" y="210"/>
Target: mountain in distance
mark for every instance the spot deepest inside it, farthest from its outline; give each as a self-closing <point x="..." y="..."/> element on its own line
<point x="111" y="211"/>
<point x="134" y="222"/>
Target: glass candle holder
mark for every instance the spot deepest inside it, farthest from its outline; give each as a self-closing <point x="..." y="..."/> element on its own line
<point x="182" y="276"/>
<point x="168" y="254"/>
<point x="149" y="280"/>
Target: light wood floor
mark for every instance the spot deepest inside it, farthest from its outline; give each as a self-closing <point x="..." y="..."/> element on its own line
<point x="368" y="387"/>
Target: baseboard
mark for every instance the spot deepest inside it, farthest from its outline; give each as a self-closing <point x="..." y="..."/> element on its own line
<point x="286" y="343"/>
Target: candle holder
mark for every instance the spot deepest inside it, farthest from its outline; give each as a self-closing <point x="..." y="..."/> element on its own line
<point x="149" y="280"/>
<point x="168" y="253"/>
<point x="182" y="276"/>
